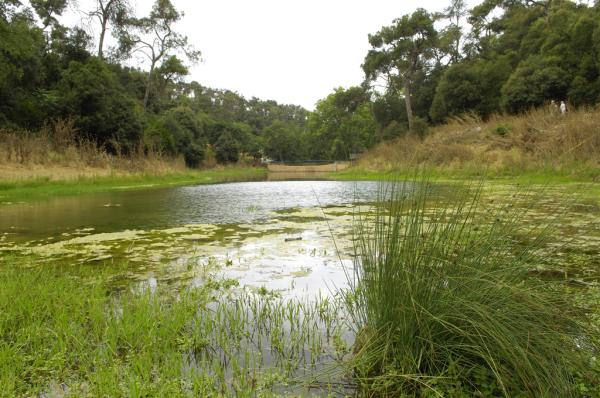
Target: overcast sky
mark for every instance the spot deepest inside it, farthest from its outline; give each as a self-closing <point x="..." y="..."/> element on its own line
<point x="290" y="51"/>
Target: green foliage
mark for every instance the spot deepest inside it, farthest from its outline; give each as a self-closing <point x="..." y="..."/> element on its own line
<point x="90" y="94"/>
<point x="50" y="74"/>
<point x="227" y="148"/>
<point x="400" y="51"/>
<point x="48" y="10"/>
<point x="282" y="142"/>
<point x="459" y="90"/>
<point x="393" y="130"/>
<point x="341" y="124"/>
<point x="420" y="126"/>
<point x="193" y="154"/>
<point x="21" y="71"/>
<point x="534" y="82"/>
<point x="502" y="129"/>
<point x="517" y="55"/>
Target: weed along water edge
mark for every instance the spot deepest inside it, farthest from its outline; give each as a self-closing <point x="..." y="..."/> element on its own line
<point x="300" y="288"/>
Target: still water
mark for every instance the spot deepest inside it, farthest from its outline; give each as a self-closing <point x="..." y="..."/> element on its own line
<point x="233" y="203"/>
<point x="290" y="236"/>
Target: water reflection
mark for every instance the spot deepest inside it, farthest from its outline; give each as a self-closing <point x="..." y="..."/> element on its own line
<point x="232" y="203"/>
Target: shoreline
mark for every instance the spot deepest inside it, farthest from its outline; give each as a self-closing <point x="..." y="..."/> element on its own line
<point x="32" y="188"/>
<point x="35" y="189"/>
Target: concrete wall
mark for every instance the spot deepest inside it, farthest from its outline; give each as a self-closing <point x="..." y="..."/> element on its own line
<point x="308" y="168"/>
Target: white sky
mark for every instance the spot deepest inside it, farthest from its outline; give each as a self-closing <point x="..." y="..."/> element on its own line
<point x="290" y="51"/>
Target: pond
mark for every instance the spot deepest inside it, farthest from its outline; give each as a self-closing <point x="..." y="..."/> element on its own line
<point x="280" y="235"/>
<point x="290" y="236"/>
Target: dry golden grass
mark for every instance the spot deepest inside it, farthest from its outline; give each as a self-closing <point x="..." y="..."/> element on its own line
<point x="59" y="152"/>
<point x="539" y="139"/>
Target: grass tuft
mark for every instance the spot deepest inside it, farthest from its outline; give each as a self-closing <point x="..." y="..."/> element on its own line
<point x="443" y="306"/>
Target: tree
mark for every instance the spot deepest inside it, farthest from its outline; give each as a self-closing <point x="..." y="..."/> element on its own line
<point x="455" y="13"/>
<point x="459" y="90"/>
<point x="534" y="82"/>
<point x="106" y="12"/>
<point x="227" y="148"/>
<point x="8" y="8"/>
<point x="341" y="124"/>
<point x="400" y="51"/>
<point x="21" y="71"/>
<point x="47" y="10"/>
<point x="90" y="94"/>
<point x="154" y="37"/>
<point x="282" y="142"/>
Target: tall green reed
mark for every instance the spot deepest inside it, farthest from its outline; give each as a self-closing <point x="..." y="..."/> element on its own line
<point x="443" y="305"/>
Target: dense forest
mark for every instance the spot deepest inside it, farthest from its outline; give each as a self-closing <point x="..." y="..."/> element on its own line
<point x="501" y="56"/>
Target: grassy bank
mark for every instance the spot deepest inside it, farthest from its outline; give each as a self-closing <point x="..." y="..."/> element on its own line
<point x="42" y="188"/>
<point x="540" y="145"/>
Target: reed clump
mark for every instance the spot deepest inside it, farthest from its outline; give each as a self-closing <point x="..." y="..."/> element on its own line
<point x="443" y="306"/>
<point x="538" y="140"/>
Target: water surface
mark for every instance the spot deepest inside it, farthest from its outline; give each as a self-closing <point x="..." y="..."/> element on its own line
<point x="232" y="203"/>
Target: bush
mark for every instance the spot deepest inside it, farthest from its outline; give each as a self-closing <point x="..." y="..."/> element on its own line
<point x="443" y="304"/>
<point x="502" y="129"/>
<point x="227" y="148"/>
<point x="193" y="155"/>
<point x="419" y="126"/>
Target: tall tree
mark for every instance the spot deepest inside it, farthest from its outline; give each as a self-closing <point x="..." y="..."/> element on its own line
<point x="107" y="12"/>
<point x="8" y="7"/>
<point x="455" y="13"/>
<point x="401" y="50"/>
<point x="154" y="37"/>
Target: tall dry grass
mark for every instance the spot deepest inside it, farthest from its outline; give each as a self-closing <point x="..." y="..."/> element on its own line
<point x="59" y="150"/>
<point x="538" y="139"/>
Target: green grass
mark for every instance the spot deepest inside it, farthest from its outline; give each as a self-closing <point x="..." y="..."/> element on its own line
<point x="39" y="189"/>
<point x="66" y="330"/>
<point x="443" y="305"/>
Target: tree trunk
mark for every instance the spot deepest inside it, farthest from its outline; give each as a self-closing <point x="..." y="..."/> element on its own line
<point x="407" y="101"/>
<point x="101" y="42"/>
<point x="147" y="94"/>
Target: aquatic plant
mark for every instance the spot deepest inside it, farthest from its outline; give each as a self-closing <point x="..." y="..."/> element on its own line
<point x="443" y="305"/>
<point x="68" y="332"/>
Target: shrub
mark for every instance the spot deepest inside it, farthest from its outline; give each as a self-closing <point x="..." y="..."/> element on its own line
<point x="193" y="155"/>
<point x="502" y="129"/>
<point x="420" y="126"/>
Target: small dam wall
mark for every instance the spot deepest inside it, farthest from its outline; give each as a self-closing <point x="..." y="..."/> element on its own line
<point x="307" y="168"/>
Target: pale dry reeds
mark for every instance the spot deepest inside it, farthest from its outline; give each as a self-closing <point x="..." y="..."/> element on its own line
<point x="536" y="140"/>
<point x="60" y="151"/>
